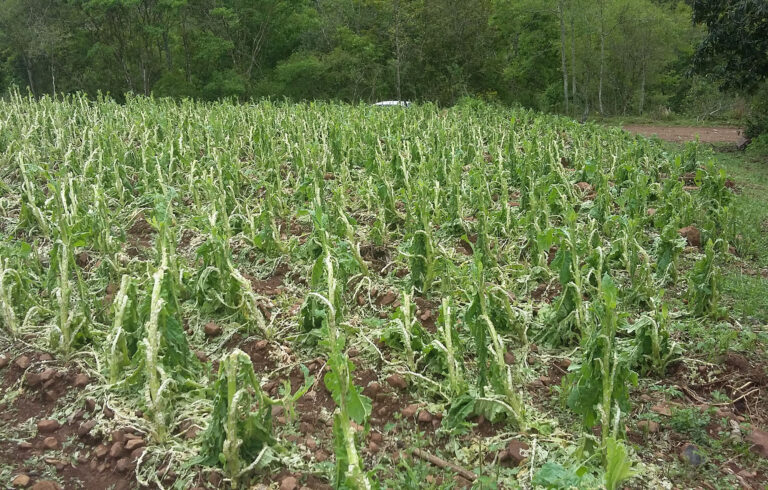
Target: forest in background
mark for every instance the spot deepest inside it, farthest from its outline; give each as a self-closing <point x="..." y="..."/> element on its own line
<point x="578" y="57"/>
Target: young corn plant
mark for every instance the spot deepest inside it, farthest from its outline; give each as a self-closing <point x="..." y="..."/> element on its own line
<point x="704" y="283"/>
<point x="352" y="404"/>
<point x="490" y="348"/>
<point x="598" y="387"/>
<point x="239" y="435"/>
<point x="655" y="350"/>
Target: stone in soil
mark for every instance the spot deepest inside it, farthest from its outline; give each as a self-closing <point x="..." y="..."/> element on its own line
<point x="373" y="448"/>
<point x="509" y="358"/>
<point x="47" y="426"/>
<point x="514" y="452"/>
<point x="691" y="455"/>
<point x="387" y="299"/>
<point x="81" y="380"/>
<point x="22" y="362"/>
<point x="691" y="234"/>
<point x="50" y="442"/>
<point x="212" y="330"/>
<point x="101" y="451"/>
<point x="425" y="416"/>
<point x="377" y="437"/>
<point x="648" y="426"/>
<point x="116" y="450"/>
<point x="289" y="483"/>
<point x="20" y="481"/>
<point x="134" y="444"/>
<point x="45" y="485"/>
<point x="373" y="389"/>
<point x="397" y="381"/>
<point x="662" y="409"/>
<point x="123" y="465"/>
<point x="409" y="411"/>
<point x="759" y="442"/>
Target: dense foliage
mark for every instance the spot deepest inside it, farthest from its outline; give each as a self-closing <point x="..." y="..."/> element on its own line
<point x="576" y="56"/>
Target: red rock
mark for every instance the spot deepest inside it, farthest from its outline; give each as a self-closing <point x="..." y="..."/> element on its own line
<point x="123" y="465"/>
<point x="691" y="234"/>
<point x="662" y="410"/>
<point x="45" y="485"/>
<point x="48" y="426"/>
<point x="212" y="330"/>
<point x="20" y="481"/>
<point x="116" y="450"/>
<point x="387" y="299"/>
<point x="515" y="450"/>
<point x="22" y="362"/>
<point x="648" y="426"/>
<point x="134" y="444"/>
<point x="397" y="381"/>
<point x="289" y="483"/>
<point x="759" y="440"/>
<point x="509" y="358"/>
<point x="409" y="411"/>
<point x="101" y="451"/>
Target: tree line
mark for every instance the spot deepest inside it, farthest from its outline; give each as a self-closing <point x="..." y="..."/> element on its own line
<point x="574" y="56"/>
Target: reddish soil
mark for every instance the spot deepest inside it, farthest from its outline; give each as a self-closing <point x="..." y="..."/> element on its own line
<point x="680" y="134"/>
<point x="67" y="446"/>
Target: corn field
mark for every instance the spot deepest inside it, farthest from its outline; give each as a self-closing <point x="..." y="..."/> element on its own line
<point x="330" y="291"/>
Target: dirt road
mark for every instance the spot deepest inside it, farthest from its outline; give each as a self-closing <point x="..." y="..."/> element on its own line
<point x="686" y="133"/>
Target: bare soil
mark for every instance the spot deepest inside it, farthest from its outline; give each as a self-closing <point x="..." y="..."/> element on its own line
<point x="679" y="134"/>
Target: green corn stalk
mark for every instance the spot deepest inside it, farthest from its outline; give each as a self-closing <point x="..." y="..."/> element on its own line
<point x="352" y="405"/>
<point x="655" y="349"/>
<point x="239" y="435"/>
<point x="451" y="347"/>
<point x="9" y="279"/>
<point x="157" y="382"/>
<point x="704" y="283"/>
<point x="118" y="346"/>
<point x="599" y="389"/>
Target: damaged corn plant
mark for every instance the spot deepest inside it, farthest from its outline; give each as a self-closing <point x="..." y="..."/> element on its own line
<point x="269" y="288"/>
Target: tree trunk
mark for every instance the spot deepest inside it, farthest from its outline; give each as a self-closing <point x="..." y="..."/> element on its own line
<point x="602" y="60"/>
<point x="167" y="48"/>
<point x="642" y="89"/>
<point x="573" y="61"/>
<point x="561" y="9"/>
<point x="398" y="50"/>
<point x="30" y="79"/>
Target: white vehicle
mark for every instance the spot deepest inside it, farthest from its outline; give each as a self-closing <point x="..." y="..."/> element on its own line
<point x="387" y="103"/>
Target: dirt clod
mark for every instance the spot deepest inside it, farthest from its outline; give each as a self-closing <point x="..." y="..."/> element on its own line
<point x="692" y="234"/>
<point x="81" y="380"/>
<point x="289" y="483"/>
<point x="22" y="362"/>
<point x="50" y="443"/>
<point x="425" y="417"/>
<point x="48" y="426"/>
<point x="20" y="481"/>
<point x="212" y="330"/>
<point x="397" y="381"/>
<point x="409" y="411"/>
<point x="45" y="485"/>
<point x="648" y="426"/>
<point x="515" y="450"/>
<point x="4" y="361"/>
<point x="759" y="440"/>
<point x="116" y="450"/>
